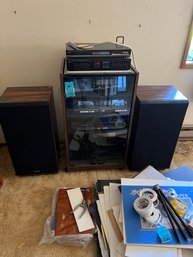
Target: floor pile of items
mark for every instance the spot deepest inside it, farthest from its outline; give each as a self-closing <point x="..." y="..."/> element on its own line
<point x="150" y="214"/>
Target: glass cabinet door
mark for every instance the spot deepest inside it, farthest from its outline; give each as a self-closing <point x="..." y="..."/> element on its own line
<point x="98" y="113"/>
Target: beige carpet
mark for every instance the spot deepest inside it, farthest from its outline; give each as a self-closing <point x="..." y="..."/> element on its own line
<point x="25" y="204"/>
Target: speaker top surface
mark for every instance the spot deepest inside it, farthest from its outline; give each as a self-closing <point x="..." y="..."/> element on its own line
<point x="156" y="94"/>
<point x="26" y="95"/>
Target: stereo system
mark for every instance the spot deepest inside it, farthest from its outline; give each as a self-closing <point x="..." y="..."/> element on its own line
<point x="95" y="105"/>
<point x="98" y="64"/>
<point x="98" y="84"/>
<point x="106" y="49"/>
<point x="106" y="56"/>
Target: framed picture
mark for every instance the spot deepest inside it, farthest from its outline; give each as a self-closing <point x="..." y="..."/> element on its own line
<point x="187" y="60"/>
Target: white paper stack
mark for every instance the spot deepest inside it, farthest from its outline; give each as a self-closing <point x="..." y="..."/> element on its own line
<point x="110" y="207"/>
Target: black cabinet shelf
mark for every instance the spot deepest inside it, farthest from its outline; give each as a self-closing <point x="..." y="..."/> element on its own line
<point x="98" y="111"/>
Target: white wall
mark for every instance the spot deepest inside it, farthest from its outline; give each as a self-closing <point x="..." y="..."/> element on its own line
<point x="33" y="35"/>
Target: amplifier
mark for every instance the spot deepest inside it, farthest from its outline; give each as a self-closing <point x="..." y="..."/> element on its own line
<point x="98" y="64"/>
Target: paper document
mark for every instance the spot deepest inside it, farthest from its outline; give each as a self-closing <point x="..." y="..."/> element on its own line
<point x="85" y="222"/>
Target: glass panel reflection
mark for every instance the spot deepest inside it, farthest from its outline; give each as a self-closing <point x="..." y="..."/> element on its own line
<point x="98" y="112"/>
<point x="97" y="86"/>
<point x="97" y="138"/>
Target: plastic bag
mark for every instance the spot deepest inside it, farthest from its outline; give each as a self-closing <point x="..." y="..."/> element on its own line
<point x="50" y="227"/>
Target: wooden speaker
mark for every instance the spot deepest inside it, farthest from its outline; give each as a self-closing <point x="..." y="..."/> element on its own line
<point x="158" y="116"/>
<point x="27" y="118"/>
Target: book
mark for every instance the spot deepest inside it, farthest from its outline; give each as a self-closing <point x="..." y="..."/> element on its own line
<point x="181" y="173"/>
<point x="146" y="250"/>
<point x="65" y="221"/>
<point x="139" y="232"/>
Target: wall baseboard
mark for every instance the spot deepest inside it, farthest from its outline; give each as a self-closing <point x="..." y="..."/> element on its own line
<point x="186" y="132"/>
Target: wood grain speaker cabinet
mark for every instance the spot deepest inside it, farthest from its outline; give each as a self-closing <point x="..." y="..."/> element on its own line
<point x="158" y="117"/>
<point x="27" y="118"/>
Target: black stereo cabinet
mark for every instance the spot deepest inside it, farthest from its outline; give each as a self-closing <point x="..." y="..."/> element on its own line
<point x="98" y="107"/>
<point x="158" y="117"/>
<point x="27" y="118"/>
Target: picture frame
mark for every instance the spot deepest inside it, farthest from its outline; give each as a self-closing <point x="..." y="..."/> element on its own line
<point x="187" y="60"/>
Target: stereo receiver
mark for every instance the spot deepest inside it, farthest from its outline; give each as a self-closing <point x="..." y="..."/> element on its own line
<point x="106" y="49"/>
<point x="98" y="64"/>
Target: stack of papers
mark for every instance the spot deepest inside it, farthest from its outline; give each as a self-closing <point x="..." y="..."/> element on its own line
<point x="123" y="232"/>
